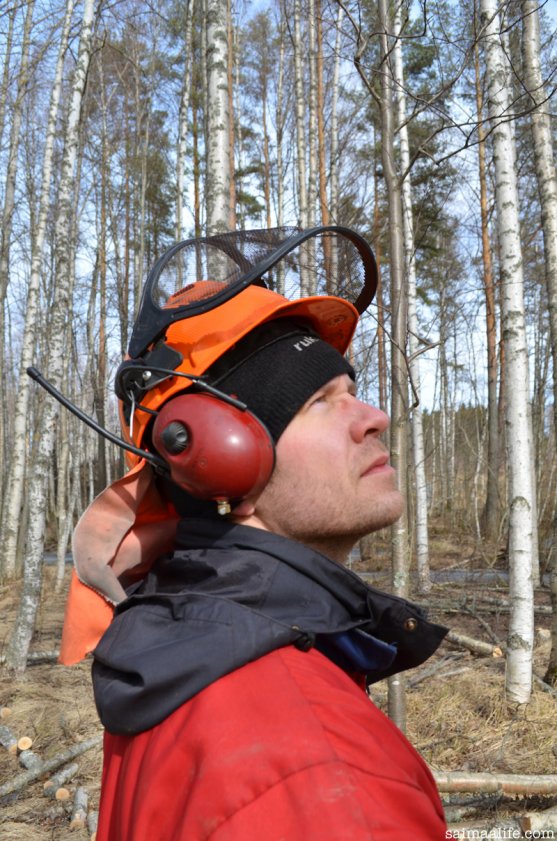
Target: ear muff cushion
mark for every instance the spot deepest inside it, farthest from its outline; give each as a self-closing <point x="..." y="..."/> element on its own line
<point x="213" y="449"/>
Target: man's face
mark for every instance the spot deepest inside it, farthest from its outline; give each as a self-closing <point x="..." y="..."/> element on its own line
<point x="332" y="482"/>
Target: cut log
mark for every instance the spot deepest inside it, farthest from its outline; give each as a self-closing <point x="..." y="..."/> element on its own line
<point x="30" y="760"/>
<point x="7" y="739"/>
<point x="92" y="821"/>
<point x="476" y="646"/>
<point x="24" y="743"/>
<point x="485" y="829"/>
<point x="49" y="765"/>
<point x="537" y="822"/>
<point x="35" y="657"/>
<point x="525" y="784"/>
<point x="54" y="787"/>
<point x="79" y="809"/>
<point x="5" y="712"/>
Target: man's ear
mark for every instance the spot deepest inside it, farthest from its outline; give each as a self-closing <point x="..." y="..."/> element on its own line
<point x="245" y="508"/>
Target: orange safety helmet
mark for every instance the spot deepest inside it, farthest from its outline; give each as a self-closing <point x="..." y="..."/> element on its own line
<point x="231" y="282"/>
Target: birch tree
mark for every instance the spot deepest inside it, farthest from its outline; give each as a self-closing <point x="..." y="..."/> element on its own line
<point x="16" y="472"/>
<point x="10" y="188"/>
<point x="218" y="157"/>
<point x="418" y="450"/>
<point x="522" y="548"/>
<point x="181" y="153"/>
<point x="547" y="188"/>
<point x="397" y="703"/>
<point x="20" y="638"/>
<point x="492" y="492"/>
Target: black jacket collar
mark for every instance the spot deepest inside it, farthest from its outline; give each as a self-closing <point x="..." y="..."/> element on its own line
<point x="228" y="595"/>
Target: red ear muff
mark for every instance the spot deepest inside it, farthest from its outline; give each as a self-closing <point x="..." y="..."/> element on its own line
<point x="213" y="449"/>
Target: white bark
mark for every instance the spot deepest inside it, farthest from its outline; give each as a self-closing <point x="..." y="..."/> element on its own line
<point x="312" y="116"/>
<point x="218" y="162"/>
<point x="11" y="171"/>
<point x="22" y="632"/>
<point x="333" y="199"/>
<point x="547" y="186"/>
<point x="399" y="531"/>
<point x="183" y="117"/>
<point x="301" y="172"/>
<point x="9" y="200"/>
<point x="418" y="449"/>
<point x="6" y="73"/>
<point x="16" y="475"/>
<point x="522" y="548"/>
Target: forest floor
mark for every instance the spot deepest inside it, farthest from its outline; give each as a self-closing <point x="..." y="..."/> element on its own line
<point x="457" y="717"/>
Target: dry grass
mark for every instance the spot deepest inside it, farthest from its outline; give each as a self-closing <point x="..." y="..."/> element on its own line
<point x="458" y="719"/>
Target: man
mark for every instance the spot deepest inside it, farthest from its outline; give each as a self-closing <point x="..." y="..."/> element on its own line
<point x="231" y="680"/>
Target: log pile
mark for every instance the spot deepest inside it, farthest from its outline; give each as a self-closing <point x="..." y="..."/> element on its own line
<point x="55" y="784"/>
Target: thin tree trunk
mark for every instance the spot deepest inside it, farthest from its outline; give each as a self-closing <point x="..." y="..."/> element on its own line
<point x="20" y="638"/>
<point x="6" y="74"/>
<point x="418" y="450"/>
<point x="279" y="122"/>
<point x="217" y="138"/>
<point x="333" y="166"/>
<point x="9" y="203"/>
<point x="399" y="401"/>
<point x="231" y="57"/>
<point x="522" y="547"/>
<point x="183" y="117"/>
<point x="492" y="513"/>
<point x="381" y="351"/>
<point x="20" y="444"/>
<point x="547" y="187"/>
<point x="300" y="141"/>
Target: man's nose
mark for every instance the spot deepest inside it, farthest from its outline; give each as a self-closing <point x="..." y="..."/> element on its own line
<point x="369" y="421"/>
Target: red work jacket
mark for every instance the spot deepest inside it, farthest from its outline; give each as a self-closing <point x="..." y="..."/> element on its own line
<point x="286" y="748"/>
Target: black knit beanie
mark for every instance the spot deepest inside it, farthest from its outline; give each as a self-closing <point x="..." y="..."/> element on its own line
<point x="276" y="369"/>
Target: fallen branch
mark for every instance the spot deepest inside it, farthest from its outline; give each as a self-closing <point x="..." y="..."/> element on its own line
<point x="534" y="822"/>
<point x="476" y="646"/>
<point x="35" y="657"/>
<point x="30" y="760"/>
<point x="434" y="668"/>
<point x="79" y="810"/>
<point x="54" y="787"/>
<point x="490" y="829"/>
<point x="92" y="821"/>
<point x="48" y="765"/>
<point x="7" y="739"/>
<point x="525" y="784"/>
<point x="545" y="686"/>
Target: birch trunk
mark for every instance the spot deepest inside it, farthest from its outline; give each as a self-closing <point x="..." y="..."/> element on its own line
<point x="17" y="472"/>
<point x="279" y="122"/>
<point x="418" y="449"/>
<point x="20" y="638"/>
<point x="9" y="199"/>
<point x="491" y="517"/>
<point x="397" y="701"/>
<point x="6" y="73"/>
<point x="183" y="118"/>
<point x="231" y="58"/>
<point x="522" y="547"/>
<point x="218" y="159"/>
<point x="333" y="166"/>
<point x="312" y="114"/>
<point x="300" y="141"/>
<point x="547" y="187"/>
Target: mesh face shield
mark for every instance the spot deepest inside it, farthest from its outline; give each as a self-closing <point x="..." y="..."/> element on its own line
<point x="198" y="275"/>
